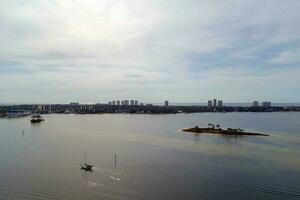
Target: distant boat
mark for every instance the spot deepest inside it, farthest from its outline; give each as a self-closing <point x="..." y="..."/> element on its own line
<point x="36" y="119"/>
<point x="85" y="166"/>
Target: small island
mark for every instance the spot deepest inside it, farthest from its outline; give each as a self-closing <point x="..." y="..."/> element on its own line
<point x="216" y="129"/>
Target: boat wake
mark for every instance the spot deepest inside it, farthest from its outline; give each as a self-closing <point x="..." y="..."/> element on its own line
<point x="94" y="184"/>
<point x="115" y="178"/>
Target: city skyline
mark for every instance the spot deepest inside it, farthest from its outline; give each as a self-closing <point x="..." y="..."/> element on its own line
<point x="63" y="51"/>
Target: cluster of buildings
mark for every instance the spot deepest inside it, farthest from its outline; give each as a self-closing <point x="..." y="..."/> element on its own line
<point x="264" y="104"/>
<point x="133" y="106"/>
<point x="125" y="103"/>
<point x="131" y="103"/>
<point x="215" y="103"/>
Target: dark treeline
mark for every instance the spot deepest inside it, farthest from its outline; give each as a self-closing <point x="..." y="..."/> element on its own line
<point x="138" y="109"/>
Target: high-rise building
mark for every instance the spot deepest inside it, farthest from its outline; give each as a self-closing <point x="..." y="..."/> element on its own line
<point x="132" y="102"/>
<point x="136" y="102"/>
<point x="166" y="103"/>
<point x="109" y="103"/>
<point x="215" y="102"/>
<point x="266" y="104"/>
<point x="118" y="102"/>
<point x="209" y="103"/>
<point x="220" y="103"/>
<point x="125" y="103"/>
<point x="255" y="104"/>
<point x="113" y="103"/>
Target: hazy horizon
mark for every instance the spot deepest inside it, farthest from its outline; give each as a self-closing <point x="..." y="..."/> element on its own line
<point x="185" y="51"/>
<point x="162" y="103"/>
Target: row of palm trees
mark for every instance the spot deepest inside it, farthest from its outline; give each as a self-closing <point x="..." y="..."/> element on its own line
<point x="210" y="125"/>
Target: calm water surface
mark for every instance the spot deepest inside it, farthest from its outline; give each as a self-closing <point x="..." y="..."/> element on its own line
<point x="155" y="160"/>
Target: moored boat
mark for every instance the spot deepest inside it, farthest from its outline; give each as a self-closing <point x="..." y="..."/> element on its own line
<point x="36" y="119"/>
<point x="85" y="166"/>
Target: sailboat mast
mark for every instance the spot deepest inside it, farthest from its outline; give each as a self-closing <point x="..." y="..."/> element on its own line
<point x="85" y="157"/>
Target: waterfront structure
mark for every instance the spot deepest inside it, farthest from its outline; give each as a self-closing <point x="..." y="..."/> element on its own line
<point x="209" y="103"/>
<point x="141" y="104"/>
<point x="17" y="113"/>
<point x="166" y="103"/>
<point x="266" y="104"/>
<point x="255" y="104"/>
<point x="220" y="103"/>
<point x="215" y="102"/>
<point x="136" y="102"/>
<point x="118" y="102"/>
<point x="132" y="102"/>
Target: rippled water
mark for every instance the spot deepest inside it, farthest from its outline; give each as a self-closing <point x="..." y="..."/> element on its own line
<point x="155" y="160"/>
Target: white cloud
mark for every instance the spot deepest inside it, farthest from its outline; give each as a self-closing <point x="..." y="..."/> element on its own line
<point x="145" y="45"/>
<point x="287" y="57"/>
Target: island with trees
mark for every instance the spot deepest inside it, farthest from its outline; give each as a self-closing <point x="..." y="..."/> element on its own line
<point x="216" y="129"/>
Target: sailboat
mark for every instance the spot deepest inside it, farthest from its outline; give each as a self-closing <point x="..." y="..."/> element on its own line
<point x="86" y="166"/>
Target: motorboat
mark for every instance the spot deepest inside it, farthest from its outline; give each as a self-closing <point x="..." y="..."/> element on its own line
<point x="36" y="119"/>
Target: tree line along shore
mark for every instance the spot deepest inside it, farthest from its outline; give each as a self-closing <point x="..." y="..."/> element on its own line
<point x="138" y="109"/>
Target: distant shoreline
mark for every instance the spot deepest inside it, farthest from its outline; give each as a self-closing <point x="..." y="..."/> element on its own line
<point x="137" y="109"/>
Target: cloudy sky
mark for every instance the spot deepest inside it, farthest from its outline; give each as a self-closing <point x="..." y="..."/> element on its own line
<point x="56" y="51"/>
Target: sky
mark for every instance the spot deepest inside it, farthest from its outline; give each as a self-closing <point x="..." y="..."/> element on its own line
<point x="60" y="51"/>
